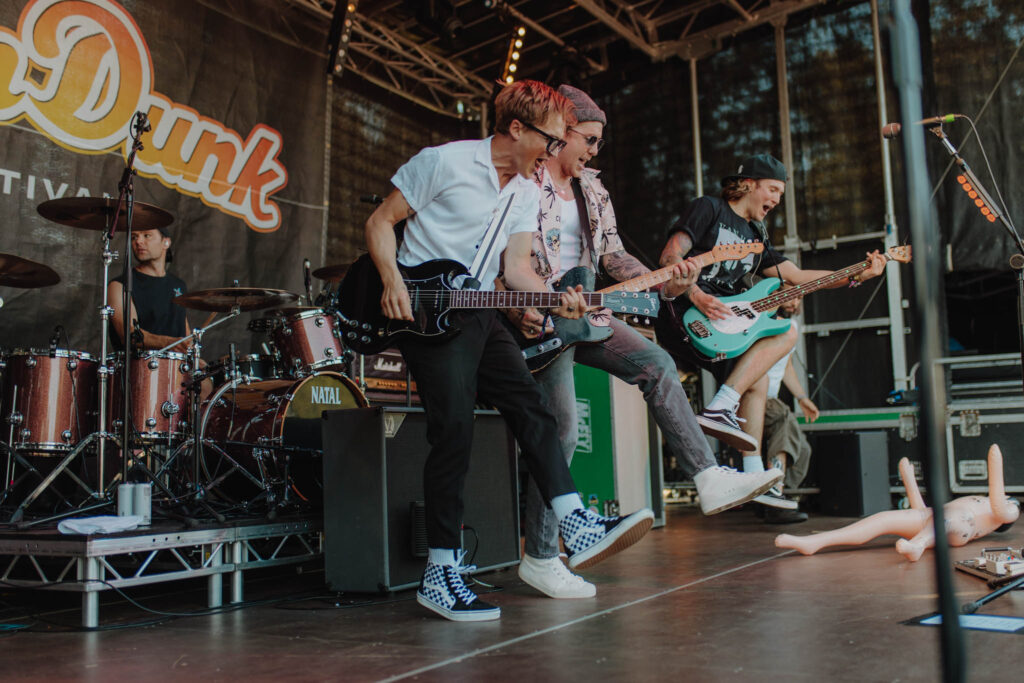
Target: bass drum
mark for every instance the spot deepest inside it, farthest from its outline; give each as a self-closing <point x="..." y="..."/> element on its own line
<point x="262" y="440"/>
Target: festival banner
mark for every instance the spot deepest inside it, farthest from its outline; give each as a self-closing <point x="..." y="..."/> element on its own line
<point x="235" y="153"/>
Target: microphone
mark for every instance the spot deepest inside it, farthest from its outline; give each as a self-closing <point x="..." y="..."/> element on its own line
<point x="54" y="340"/>
<point x="891" y="130"/>
<point x="142" y="124"/>
<point x="307" y="280"/>
<point x="371" y="199"/>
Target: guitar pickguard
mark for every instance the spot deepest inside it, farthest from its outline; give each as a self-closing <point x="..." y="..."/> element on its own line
<point x="742" y="319"/>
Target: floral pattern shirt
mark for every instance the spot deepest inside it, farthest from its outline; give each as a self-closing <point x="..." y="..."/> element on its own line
<point x="547" y="238"/>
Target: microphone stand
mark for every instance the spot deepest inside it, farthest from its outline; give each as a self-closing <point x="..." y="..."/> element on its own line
<point x="126" y="197"/>
<point x="1017" y="260"/>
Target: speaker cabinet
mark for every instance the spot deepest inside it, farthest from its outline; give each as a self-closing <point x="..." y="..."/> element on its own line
<point x="853" y="473"/>
<point x="374" y="538"/>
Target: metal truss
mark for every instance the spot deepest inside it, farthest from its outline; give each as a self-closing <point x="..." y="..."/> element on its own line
<point x="653" y="26"/>
<point x="92" y="564"/>
<point x="387" y="53"/>
<point x="400" y="65"/>
<point x="383" y="56"/>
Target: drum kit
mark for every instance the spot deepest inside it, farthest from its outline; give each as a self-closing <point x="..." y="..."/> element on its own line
<point x="242" y="433"/>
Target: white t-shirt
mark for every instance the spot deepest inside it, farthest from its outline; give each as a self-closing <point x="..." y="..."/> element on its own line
<point x="569" y="237"/>
<point x="776" y="371"/>
<point x="454" y="191"/>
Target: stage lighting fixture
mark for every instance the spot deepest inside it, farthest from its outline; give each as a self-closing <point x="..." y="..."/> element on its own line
<point x="515" y="47"/>
<point x="979" y="200"/>
<point x="339" y="36"/>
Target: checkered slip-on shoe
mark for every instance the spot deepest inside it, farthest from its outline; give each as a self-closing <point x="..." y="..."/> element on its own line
<point x="590" y="538"/>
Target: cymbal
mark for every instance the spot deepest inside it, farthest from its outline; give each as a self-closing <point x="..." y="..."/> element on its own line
<point x="20" y="272"/>
<point x="92" y="213"/>
<point x="332" y="273"/>
<point x="226" y="298"/>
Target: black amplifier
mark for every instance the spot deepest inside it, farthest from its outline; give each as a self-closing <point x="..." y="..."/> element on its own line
<point x="383" y="377"/>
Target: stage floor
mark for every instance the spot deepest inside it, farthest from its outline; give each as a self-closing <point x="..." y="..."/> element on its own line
<point x="704" y="599"/>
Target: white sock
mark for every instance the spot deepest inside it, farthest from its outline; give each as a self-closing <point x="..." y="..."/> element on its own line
<point x="725" y="399"/>
<point x="442" y="556"/>
<point x="564" y="504"/>
<point x="753" y="463"/>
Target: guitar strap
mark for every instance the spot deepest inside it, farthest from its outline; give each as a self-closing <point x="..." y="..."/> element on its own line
<point x="483" y="255"/>
<point x="581" y="206"/>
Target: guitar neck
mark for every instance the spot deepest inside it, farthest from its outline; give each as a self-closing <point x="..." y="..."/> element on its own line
<point x="781" y="296"/>
<point x="655" y="277"/>
<point x="466" y="298"/>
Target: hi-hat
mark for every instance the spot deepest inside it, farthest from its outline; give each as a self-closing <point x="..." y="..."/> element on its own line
<point x="332" y="273"/>
<point x="20" y="272"/>
<point x="226" y="298"/>
<point x="93" y="213"/>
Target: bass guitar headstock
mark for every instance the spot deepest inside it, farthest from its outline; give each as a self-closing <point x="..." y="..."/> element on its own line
<point x="901" y="253"/>
<point x="736" y="251"/>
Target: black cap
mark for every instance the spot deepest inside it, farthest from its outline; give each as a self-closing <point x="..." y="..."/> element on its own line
<point x="758" y="167"/>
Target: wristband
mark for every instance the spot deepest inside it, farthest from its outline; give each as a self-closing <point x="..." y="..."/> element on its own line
<point x="800" y="398"/>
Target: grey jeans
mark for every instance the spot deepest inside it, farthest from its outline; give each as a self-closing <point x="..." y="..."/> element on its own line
<point x="634" y="359"/>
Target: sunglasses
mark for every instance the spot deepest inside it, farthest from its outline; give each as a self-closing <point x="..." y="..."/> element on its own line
<point x="591" y="140"/>
<point x="555" y="145"/>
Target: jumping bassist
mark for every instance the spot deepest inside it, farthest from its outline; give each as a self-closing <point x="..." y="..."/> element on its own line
<point x="738" y="216"/>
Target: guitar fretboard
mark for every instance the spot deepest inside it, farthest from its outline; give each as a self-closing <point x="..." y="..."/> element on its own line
<point x="467" y="298"/>
<point x="656" y="277"/>
<point x="781" y="296"/>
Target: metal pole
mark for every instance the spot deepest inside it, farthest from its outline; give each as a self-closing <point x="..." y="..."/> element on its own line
<point x="215" y="582"/>
<point x="893" y="284"/>
<point x="792" y="244"/>
<point x="698" y="162"/>
<point x="906" y="53"/>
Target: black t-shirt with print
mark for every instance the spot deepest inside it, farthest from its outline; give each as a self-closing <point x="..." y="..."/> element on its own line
<point x="710" y="221"/>
<point x="152" y="297"/>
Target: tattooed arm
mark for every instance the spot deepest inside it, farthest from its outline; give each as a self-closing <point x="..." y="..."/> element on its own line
<point x="676" y="249"/>
<point x="622" y="266"/>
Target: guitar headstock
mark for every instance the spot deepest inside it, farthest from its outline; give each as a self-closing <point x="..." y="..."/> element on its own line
<point x="901" y="254"/>
<point x="736" y="251"/>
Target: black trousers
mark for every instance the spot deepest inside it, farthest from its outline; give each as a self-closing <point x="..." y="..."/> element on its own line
<point x="482" y="360"/>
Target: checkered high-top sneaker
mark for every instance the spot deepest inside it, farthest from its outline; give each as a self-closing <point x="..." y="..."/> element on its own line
<point x="590" y="538"/>
<point x="442" y="590"/>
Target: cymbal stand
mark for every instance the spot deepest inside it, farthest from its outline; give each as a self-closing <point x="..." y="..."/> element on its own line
<point x="104" y="371"/>
<point x="198" y="493"/>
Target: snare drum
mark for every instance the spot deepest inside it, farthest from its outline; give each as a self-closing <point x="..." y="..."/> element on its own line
<point x="264" y="436"/>
<point x="159" y="399"/>
<point x="308" y="341"/>
<point x="49" y="400"/>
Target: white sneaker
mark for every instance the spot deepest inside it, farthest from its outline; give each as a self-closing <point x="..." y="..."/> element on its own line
<point x="552" y="578"/>
<point x="720" y="488"/>
<point x="774" y="498"/>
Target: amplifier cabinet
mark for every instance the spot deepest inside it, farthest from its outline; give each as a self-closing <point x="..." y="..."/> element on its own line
<point x="374" y="538"/>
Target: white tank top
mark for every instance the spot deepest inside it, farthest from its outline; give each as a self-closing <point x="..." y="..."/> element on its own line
<point x="570" y="238"/>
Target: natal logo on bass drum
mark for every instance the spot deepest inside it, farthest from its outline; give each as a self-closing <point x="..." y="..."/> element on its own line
<point x="326" y="395"/>
<point x="78" y="72"/>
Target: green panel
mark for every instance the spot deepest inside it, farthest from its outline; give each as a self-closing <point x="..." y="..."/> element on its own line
<point x="593" y="462"/>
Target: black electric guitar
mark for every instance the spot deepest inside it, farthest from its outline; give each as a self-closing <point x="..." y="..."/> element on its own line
<point x="433" y="295"/>
<point x="541" y="352"/>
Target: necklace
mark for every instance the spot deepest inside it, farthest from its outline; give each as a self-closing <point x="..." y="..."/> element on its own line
<point x="567" y="190"/>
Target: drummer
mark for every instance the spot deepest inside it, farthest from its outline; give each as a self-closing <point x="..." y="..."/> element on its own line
<point x="160" y="321"/>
